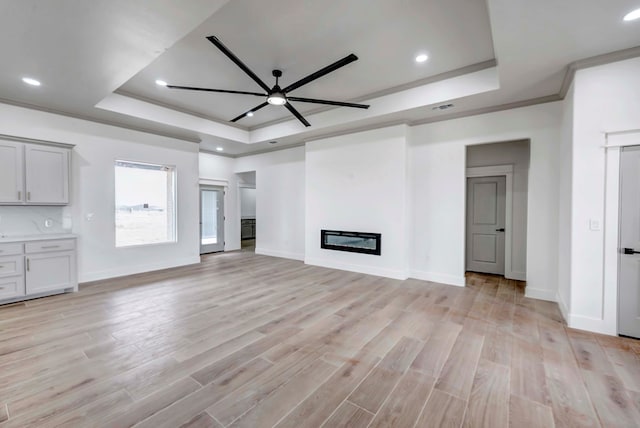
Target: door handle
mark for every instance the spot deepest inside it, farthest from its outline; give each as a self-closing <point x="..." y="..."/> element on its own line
<point x="631" y="251"/>
<point x="500" y="230"/>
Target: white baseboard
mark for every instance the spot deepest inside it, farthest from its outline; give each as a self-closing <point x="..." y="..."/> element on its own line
<point x="280" y="253"/>
<point x="369" y="270"/>
<point x="540" y="294"/>
<point x="595" y="325"/>
<point x="564" y="310"/>
<point x="519" y="276"/>
<point x="132" y="270"/>
<point x="441" y="278"/>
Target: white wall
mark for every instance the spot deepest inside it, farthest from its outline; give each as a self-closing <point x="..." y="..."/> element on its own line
<point x="92" y="189"/>
<point x="606" y="101"/>
<point x="514" y="153"/>
<point x="564" y="206"/>
<point x="437" y="161"/>
<point x="280" y="201"/>
<point x="358" y="183"/>
<point x="219" y="170"/>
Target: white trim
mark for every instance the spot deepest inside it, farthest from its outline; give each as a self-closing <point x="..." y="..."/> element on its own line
<point x="219" y="182"/>
<point x="279" y="253"/>
<point x="520" y="276"/>
<point x="488" y="171"/>
<point x="540" y="294"/>
<point x="507" y="171"/>
<point x="611" y="240"/>
<point x="441" y="278"/>
<point x="132" y="270"/>
<point x="595" y="325"/>
<point x="622" y="139"/>
<point x="369" y="270"/>
<point x="564" y="310"/>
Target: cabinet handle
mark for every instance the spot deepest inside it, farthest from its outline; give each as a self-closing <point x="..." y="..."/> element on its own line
<point x="48" y="247"/>
<point x="19" y="195"/>
<point x="28" y="265"/>
<point x="28" y="196"/>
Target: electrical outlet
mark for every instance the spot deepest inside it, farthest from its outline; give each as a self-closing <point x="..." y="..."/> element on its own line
<point x="48" y="223"/>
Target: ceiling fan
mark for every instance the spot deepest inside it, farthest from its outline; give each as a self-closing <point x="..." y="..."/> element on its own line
<point x="277" y="96"/>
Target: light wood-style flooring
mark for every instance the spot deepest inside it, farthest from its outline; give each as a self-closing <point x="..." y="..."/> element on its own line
<point x="245" y="340"/>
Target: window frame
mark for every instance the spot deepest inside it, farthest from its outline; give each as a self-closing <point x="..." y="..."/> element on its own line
<point x="174" y="200"/>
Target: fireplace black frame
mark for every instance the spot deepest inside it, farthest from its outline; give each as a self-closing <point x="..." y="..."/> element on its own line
<point x="374" y="251"/>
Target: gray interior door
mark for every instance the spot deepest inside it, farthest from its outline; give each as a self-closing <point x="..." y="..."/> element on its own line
<point x="485" y="224"/>
<point x="211" y="219"/>
<point x="629" y="261"/>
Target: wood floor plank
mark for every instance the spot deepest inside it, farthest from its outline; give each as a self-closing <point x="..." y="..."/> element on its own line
<point x="380" y="382"/>
<point x="349" y="416"/>
<point x="405" y="403"/>
<point x="458" y="371"/>
<point x="527" y="371"/>
<point x="526" y="413"/>
<point x="569" y="399"/>
<point x="613" y="406"/>
<point x="442" y="410"/>
<point x="258" y="341"/>
<point x="436" y="350"/>
<point x="489" y="395"/>
<point x="319" y="406"/>
<point x="270" y="410"/>
<point x="4" y="413"/>
<point x="203" y="420"/>
<point x="152" y="404"/>
<point x="254" y="392"/>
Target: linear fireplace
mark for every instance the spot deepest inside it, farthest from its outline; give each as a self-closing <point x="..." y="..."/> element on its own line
<point x="354" y="242"/>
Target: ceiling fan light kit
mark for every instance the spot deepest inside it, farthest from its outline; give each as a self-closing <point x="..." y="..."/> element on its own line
<point x="276" y="95"/>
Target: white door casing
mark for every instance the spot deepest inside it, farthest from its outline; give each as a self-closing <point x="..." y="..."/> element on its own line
<point x="211" y="219"/>
<point x="486" y="206"/>
<point x="629" y="235"/>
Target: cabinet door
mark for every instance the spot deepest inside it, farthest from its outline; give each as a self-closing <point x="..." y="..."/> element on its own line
<point x="50" y="271"/>
<point x="11" y="287"/>
<point x="11" y="176"/>
<point x="47" y="175"/>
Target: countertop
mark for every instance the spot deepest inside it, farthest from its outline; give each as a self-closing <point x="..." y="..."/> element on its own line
<point x="42" y="237"/>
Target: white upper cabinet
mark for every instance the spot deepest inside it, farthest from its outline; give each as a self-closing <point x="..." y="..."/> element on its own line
<point x="47" y="174"/>
<point x="11" y="176"/>
<point x="33" y="174"/>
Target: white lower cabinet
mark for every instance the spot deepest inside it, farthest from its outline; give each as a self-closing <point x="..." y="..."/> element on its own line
<point x="47" y="272"/>
<point x="37" y="268"/>
<point x="11" y="287"/>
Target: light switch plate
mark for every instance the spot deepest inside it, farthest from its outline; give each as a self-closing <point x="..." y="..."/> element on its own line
<point x="594" y="224"/>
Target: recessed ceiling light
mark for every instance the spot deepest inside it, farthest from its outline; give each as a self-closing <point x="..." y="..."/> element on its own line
<point x="161" y="82"/>
<point x="250" y="114"/>
<point x="220" y="149"/>
<point x="30" y="81"/>
<point x="422" y="58"/>
<point x="632" y="16"/>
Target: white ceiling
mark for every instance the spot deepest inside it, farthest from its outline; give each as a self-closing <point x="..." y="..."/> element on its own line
<point x="99" y="60"/>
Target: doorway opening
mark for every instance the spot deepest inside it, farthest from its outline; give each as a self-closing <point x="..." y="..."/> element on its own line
<point x="211" y="219"/>
<point x="496" y="208"/>
<point x="247" y="192"/>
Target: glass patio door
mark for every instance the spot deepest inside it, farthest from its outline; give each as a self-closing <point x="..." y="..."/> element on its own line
<point x="211" y="219"/>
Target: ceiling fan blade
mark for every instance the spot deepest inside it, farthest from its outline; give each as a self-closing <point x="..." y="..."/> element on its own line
<point x="297" y="114"/>
<point x="191" y="88"/>
<point x="318" y="74"/>
<point x="236" y="60"/>
<point x="331" y="103"/>
<point x="235" y="119"/>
